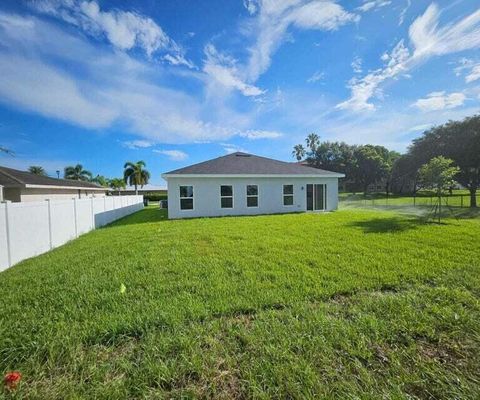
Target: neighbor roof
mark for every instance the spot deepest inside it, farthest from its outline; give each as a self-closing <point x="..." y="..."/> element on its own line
<point x="248" y="164"/>
<point x="10" y="177"/>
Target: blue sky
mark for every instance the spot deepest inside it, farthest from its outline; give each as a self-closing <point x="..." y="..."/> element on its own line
<point x="178" y="82"/>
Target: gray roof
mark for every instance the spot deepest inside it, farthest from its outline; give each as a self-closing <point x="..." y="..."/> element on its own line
<point x="248" y="164"/>
<point x="10" y="177"/>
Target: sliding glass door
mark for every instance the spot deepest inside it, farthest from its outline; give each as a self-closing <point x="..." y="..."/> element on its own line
<point x="316" y="197"/>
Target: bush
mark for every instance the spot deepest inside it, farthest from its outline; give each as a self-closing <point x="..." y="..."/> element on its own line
<point x="155" y="196"/>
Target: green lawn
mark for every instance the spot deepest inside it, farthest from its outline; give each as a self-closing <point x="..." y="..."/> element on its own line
<point x="355" y="304"/>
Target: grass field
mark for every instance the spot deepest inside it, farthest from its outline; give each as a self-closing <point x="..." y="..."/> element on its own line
<point x="348" y="305"/>
<point x="424" y="199"/>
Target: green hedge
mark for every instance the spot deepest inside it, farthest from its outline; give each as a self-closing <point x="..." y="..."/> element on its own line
<point x="155" y="196"/>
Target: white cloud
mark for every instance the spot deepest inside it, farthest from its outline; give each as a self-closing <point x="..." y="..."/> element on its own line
<point x="403" y="13"/>
<point x="107" y="87"/>
<point x="174" y="155"/>
<point x="420" y="128"/>
<point x="365" y="88"/>
<point x="232" y="148"/>
<point x="223" y="70"/>
<point x="123" y="29"/>
<point x="137" y="144"/>
<point x="374" y="4"/>
<point x="474" y="74"/>
<point x="273" y="20"/>
<point x="357" y="65"/>
<point x="317" y="76"/>
<point x="251" y="6"/>
<point x="428" y="39"/>
<point x="440" y="101"/>
<point x="469" y="65"/>
<point x="253" y="134"/>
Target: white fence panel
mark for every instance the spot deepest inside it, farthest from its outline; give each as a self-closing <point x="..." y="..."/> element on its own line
<point x="63" y="224"/>
<point x="28" y="229"/>
<point x="4" y="248"/>
<point x="32" y="228"/>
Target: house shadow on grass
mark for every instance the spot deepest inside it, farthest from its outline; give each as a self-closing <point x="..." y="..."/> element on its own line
<point x="388" y="225"/>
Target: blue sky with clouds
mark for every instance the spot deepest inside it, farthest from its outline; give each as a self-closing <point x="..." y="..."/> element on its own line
<point x="177" y="82"/>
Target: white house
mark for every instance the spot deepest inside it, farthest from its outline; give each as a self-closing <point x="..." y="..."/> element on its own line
<point x="21" y="186"/>
<point x="245" y="184"/>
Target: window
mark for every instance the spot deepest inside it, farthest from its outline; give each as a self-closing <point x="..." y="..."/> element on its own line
<point x="226" y="196"/>
<point x="186" y="197"/>
<point x="252" y="196"/>
<point x="288" y="195"/>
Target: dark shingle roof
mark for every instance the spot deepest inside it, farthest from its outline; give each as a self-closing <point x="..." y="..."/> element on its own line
<point x="10" y="177"/>
<point x="249" y="164"/>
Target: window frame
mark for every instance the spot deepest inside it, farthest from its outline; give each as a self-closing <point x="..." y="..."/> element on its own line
<point x="227" y="197"/>
<point x="180" y="198"/>
<point x="252" y="195"/>
<point x="288" y="195"/>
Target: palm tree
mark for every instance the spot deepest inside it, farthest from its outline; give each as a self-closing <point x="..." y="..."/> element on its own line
<point x="77" y="173"/>
<point x="116" y="184"/>
<point x="37" y="170"/>
<point x="299" y="152"/>
<point x="135" y="174"/>
<point x="100" y="180"/>
<point x="313" y="140"/>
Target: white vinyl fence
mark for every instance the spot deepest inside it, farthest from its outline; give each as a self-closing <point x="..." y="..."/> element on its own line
<point x="32" y="228"/>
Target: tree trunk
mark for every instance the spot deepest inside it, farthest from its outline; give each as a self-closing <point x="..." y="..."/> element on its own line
<point x="473" y="197"/>
<point x="136" y="190"/>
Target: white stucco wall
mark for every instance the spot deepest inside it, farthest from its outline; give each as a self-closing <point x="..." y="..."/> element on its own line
<point x="34" y="194"/>
<point x="270" y="195"/>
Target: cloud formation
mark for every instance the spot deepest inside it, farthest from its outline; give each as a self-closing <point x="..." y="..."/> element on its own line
<point x="440" y="101"/>
<point x="174" y="155"/>
<point x="125" y="30"/>
<point x="106" y="88"/>
<point x="427" y="39"/>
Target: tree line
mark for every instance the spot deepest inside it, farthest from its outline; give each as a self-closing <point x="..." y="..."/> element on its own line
<point x="363" y="165"/>
<point x="134" y="174"/>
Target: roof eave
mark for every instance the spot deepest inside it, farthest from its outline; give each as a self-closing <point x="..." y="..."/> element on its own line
<point x="60" y="187"/>
<point x="332" y="175"/>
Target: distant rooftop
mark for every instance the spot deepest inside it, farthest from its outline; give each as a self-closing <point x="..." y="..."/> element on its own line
<point x="10" y="177"/>
<point x="248" y="164"/>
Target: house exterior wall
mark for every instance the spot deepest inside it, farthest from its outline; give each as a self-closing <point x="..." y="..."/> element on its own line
<point x="31" y="194"/>
<point x="206" y="195"/>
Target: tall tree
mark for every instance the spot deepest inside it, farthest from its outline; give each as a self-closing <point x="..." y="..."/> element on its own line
<point x="312" y="140"/>
<point x="371" y="166"/>
<point x="37" y="170"/>
<point x="116" y="183"/>
<point x="459" y="141"/>
<point x="135" y="174"/>
<point x="77" y="173"/>
<point x="299" y="152"/>
<point x="100" y="180"/>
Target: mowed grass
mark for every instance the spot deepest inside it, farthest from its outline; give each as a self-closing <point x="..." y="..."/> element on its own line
<point x="348" y="305"/>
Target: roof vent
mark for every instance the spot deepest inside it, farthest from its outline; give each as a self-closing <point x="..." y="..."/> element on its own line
<point x="242" y="155"/>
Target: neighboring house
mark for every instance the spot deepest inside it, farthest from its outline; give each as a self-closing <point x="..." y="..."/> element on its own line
<point x="146" y="189"/>
<point x="19" y="186"/>
<point x="245" y="184"/>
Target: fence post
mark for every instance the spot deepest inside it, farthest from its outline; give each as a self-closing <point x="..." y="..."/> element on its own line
<point x="7" y="229"/>
<point x="75" y="216"/>
<point x="461" y="201"/>
<point x="49" y="205"/>
<point x="93" y="214"/>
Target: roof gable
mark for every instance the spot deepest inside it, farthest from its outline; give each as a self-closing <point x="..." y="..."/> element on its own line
<point x="240" y="163"/>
